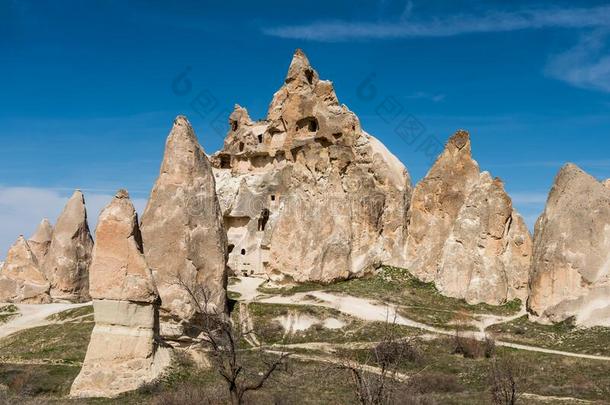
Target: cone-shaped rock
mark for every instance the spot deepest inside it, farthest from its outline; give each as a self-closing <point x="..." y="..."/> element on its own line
<point x="184" y="240"/>
<point x="571" y="259"/>
<point x="66" y="264"/>
<point x="436" y="203"/>
<point x="306" y="193"/>
<point x="487" y="255"/>
<point x="41" y="240"/>
<point x="123" y="353"/>
<point x="20" y="277"/>
<point x="118" y="269"/>
<point x="464" y="233"/>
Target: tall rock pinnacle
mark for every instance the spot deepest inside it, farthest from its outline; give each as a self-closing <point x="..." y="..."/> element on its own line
<point x="436" y="203"/>
<point x="464" y="233"/>
<point x="66" y="264"/>
<point x="571" y="261"/>
<point x="184" y="240"/>
<point x="123" y="352"/>
<point x="21" y="280"/>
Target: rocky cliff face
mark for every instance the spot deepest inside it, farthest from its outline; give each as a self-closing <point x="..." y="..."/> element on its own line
<point x="571" y="260"/>
<point x="123" y="353"/>
<point x="21" y="280"/>
<point x="66" y="265"/>
<point x="184" y="241"/>
<point x="306" y="194"/>
<point x="464" y="233"/>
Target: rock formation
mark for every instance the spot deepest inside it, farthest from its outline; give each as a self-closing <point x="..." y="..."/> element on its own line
<point x="41" y="240"/>
<point x="123" y="352"/>
<point x="436" y="203"/>
<point x="184" y="240"/>
<point x="66" y="264"/>
<point x="571" y="259"/>
<point x="464" y="233"/>
<point x="306" y="193"/>
<point x="21" y="280"/>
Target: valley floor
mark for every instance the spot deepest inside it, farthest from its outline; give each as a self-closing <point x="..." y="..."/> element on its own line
<point x="323" y="327"/>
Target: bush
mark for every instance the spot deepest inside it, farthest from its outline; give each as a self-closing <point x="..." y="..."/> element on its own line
<point x="395" y="352"/>
<point x="434" y="382"/>
<point x="191" y="393"/>
<point x="472" y="348"/>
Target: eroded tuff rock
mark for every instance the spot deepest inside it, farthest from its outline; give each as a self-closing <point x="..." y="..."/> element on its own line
<point x="436" y="203"/>
<point x="123" y="353"/>
<point x="571" y="260"/>
<point x="464" y="233"/>
<point x="66" y="264"/>
<point x="306" y="193"/>
<point x="41" y="240"/>
<point x="21" y="280"/>
<point x="184" y="240"/>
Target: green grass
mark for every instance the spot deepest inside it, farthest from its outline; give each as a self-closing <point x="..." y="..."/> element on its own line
<point x="9" y="308"/>
<point x="560" y="336"/>
<point x="71" y="314"/>
<point x="541" y="374"/>
<point x="65" y="343"/>
<point x="419" y="301"/>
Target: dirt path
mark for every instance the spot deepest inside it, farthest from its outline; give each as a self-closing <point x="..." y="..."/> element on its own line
<point x="369" y="311"/>
<point x="33" y="315"/>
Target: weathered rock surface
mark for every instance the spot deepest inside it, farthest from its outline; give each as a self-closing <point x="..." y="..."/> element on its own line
<point x="436" y="203"/>
<point x="21" y="280"/>
<point x="486" y="258"/>
<point x="464" y="233"/>
<point x="183" y="235"/>
<point x="66" y="264"/>
<point x="41" y="240"/>
<point x="306" y="193"/>
<point x="123" y="352"/>
<point x="571" y="260"/>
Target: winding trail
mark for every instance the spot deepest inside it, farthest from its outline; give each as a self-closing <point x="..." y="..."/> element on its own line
<point x="370" y="311"/>
<point x="34" y="315"/>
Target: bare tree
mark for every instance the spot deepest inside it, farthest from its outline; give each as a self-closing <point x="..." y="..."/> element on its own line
<point x="375" y="377"/>
<point x="504" y="378"/>
<point x="222" y="338"/>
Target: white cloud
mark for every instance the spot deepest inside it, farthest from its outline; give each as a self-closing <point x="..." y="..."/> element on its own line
<point x="422" y="95"/>
<point x="586" y="65"/>
<point x="523" y="198"/>
<point x="22" y="209"/>
<point x="406" y="27"/>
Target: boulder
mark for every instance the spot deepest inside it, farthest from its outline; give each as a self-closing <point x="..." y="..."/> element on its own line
<point x="41" y="240"/>
<point x="66" y="264"/>
<point x="571" y="258"/>
<point x="464" y="234"/>
<point x="185" y="244"/>
<point x="21" y="280"/>
<point x="123" y="352"/>
<point x="306" y="194"/>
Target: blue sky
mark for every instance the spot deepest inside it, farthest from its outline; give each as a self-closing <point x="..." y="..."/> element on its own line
<point x="88" y="88"/>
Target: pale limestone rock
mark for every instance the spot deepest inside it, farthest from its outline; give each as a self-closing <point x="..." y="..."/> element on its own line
<point x="436" y="203"/>
<point x="123" y="352"/>
<point x="66" y="264"/>
<point x="183" y="235"/>
<point x="486" y="258"/>
<point x="464" y="233"/>
<point x="571" y="260"/>
<point x="306" y="194"/>
<point x="41" y="240"/>
<point x="21" y="280"/>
